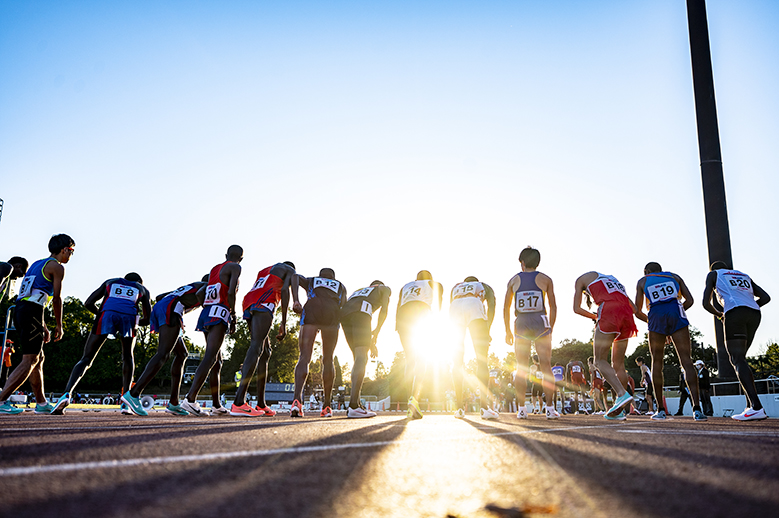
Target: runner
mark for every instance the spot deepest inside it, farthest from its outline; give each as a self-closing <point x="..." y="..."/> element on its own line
<point x="166" y="319"/>
<point x="414" y="308"/>
<point x="217" y="318"/>
<point x="325" y="298"/>
<point x="41" y="284"/>
<point x="574" y="373"/>
<point x="468" y="313"/>
<point x="614" y="326"/>
<point x="273" y="284"/>
<point x="356" y="319"/>
<point x="558" y="371"/>
<point x="14" y="269"/>
<point x="646" y="382"/>
<point x="737" y="307"/>
<point x="118" y="316"/>
<point x="667" y="319"/>
<point x="528" y="290"/>
<point x="596" y="379"/>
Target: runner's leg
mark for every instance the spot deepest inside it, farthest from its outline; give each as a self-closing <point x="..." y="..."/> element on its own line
<point x="682" y="342"/>
<point x="177" y="370"/>
<point x="262" y="372"/>
<point x="214" y="338"/>
<point x="329" y="341"/>
<point x="306" y="338"/>
<point x="259" y="327"/>
<point x="92" y="347"/>
<point x="522" y="353"/>
<point x="656" y="351"/>
<point x="168" y="337"/>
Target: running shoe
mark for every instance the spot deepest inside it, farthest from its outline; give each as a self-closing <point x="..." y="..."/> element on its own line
<point x="8" y="409"/>
<point x="660" y="415"/>
<point x="413" y="409"/>
<point x="487" y="414"/>
<point x="245" y="410"/>
<point x="296" y="410"/>
<point x="192" y="408"/>
<point x="359" y="412"/>
<point x="621" y="401"/>
<point x="751" y="415"/>
<point x="460" y="414"/>
<point x="265" y="411"/>
<point x="219" y="410"/>
<point x="326" y="412"/>
<point x="134" y="404"/>
<point x="698" y="416"/>
<point x="551" y="413"/>
<point x="43" y="409"/>
<point x="62" y="402"/>
<point x="125" y="410"/>
<point x="175" y="409"/>
<point x="619" y="417"/>
<point x="522" y="413"/>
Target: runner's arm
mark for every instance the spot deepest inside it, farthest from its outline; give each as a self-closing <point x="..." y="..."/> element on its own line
<point x="763" y="298"/>
<point x="489" y="295"/>
<point x="550" y="297"/>
<point x="507" y="302"/>
<point x="639" y="303"/>
<point x="145" y="308"/>
<point x="688" y="300"/>
<point x="57" y="274"/>
<point x="708" y="293"/>
<point x="577" y="300"/>
<point x="93" y="298"/>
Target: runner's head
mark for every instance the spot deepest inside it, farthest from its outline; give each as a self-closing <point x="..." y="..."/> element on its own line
<point x="652" y="267"/>
<point x="20" y="265"/>
<point x="290" y="264"/>
<point x="134" y="277"/>
<point x="591" y="360"/>
<point x="640" y="361"/>
<point x="327" y="273"/>
<point x="471" y="278"/>
<point x="530" y="257"/>
<point x="61" y="246"/>
<point x="424" y="275"/>
<point x="205" y="278"/>
<point x="234" y="254"/>
<point x="535" y="358"/>
<point x="718" y="265"/>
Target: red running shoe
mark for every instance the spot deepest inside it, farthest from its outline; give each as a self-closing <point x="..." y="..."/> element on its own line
<point x="326" y="412"/>
<point x="266" y="412"/>
<point x="244" y="410"/>
<point x="296" y="410"/>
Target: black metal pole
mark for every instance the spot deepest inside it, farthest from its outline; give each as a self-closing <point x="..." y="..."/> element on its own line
<point x="715" y="207"/>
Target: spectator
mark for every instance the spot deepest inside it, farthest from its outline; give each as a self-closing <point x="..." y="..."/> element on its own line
<point x="684" y="394"/>
<point x="704" y="384"/>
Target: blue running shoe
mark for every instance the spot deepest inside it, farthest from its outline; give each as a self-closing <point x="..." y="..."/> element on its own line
<point x="619" y="417"/>
<point x="134" y="404"/>
<point x="175" y="409"/>
<point x="659" y="416"/>
<point x="699" y="416"/>
<point x="8" y="409"/>
<point x="62" y="402"/>
<point x="622" y="401"/>
<point x="44" y="409"/>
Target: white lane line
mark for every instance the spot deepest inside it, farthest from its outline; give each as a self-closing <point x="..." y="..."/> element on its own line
<point x="224" y="424"/>
<point x="81" y="466"/>
<point x="703" y="432"/>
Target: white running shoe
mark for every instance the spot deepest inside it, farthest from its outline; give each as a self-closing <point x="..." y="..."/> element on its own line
<point x="460" y="414"/>
<point x="751" y="415"/>
<point x="488" y="414"/>
<point x="192" y="408"/>
<point x="359" y="413"/>
<point x="219" y="410"/>
<point x="551" y="413"/>
<point x="522" y="413"/>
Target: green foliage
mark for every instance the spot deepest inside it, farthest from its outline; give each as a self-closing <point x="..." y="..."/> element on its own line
<point x="572" y="350"/>
<point x="766" y="364"/>
<point x="671" y="366"/>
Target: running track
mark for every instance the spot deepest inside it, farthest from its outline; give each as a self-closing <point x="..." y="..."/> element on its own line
<point x="103" y="464"/>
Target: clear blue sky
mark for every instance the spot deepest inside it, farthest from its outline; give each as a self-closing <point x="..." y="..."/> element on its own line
<point x="383" y="138"/>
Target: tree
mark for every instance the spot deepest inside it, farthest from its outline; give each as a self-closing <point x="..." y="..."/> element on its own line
<point x="397" y="385"/>
<point x="572" y="350"/>
<point x="671" y="366"/>
<point x="766" y="364"/>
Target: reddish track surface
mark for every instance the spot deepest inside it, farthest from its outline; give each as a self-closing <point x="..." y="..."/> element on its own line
<point x="105" y="464"/>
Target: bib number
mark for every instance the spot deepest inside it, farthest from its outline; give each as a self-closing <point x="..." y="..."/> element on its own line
<point x="212" y="294"/>
<point x="740" y="283"/>
<point x="179" y="308"/>
<point x="260" y="283"/>
<point x="270" y="306"/>
<point x="575" y="368"/>
<point x="529" y="301"/>
<point x="26" y="287"/>
<point x="181" y="291"/>
<point x="38" y="297"/>
<point x="613" y="285"/>
<point x="121" y="292"/>
<point x="366" y="307"/>
<point x="220" y="313"/>
<point x="662" y="291"/>
<point x="327" y="283"/>
<point x="412" y="293"/>
<point x="362" y="293"/>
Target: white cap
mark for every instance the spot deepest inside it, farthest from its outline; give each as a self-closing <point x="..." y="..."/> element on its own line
<point x="698" y="362"/>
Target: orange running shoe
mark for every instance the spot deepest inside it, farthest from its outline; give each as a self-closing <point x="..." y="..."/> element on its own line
<point x="326" y="412"/>
<point x="244" y="410"/>
<point x="266" y="412"/>
<point x="296" y="410"/>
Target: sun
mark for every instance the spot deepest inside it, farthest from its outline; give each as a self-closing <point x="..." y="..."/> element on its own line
<point x="436" y="336"/>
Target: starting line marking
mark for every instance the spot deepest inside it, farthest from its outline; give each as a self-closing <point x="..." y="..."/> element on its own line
<point x="205" y="457"/>
<point x="703" y="432"/>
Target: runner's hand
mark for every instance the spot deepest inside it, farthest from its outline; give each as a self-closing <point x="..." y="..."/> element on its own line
<point x="282" y="333"/>
<point x="46" y="334"/>
<point x="374" y="351"/>
<point x="231" y="330"/>
<point x="510" y="338"/>
<point x="297" y="307"/>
